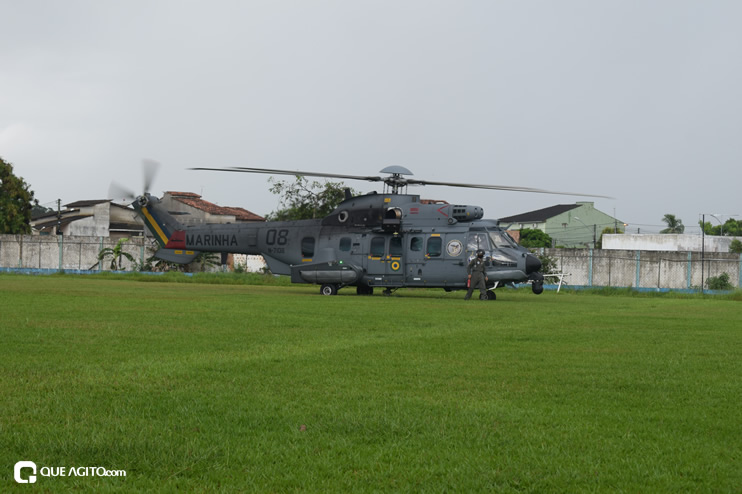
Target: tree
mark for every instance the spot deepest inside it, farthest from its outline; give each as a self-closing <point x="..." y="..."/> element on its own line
<point x="736" y="246"/>
<point x="15" y="202"/>
<point x="674" y="225"/>
<point x="720" y="282"/>
<point x="116" y="253"/>
<point x="531" y="237"/>
<point x="730" y="228"/>
<point x="303" y="200"/>
<point x="39" y="210"/>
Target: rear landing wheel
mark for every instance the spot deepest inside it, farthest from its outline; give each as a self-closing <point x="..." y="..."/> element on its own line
<point x="364" y="290"/>
<point x="329" y="289"/>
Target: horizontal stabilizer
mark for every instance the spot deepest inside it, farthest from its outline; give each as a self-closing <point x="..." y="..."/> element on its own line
<point x="178" y="256"/>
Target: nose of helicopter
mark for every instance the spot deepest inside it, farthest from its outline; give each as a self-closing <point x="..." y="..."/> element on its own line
<point x="533" y="264"/>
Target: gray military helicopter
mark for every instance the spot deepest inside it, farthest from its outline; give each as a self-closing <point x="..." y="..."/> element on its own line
<point x="385" y="240"/>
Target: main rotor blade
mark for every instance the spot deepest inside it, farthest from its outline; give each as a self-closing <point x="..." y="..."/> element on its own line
<point x="271" y="171"/>
<point x="401" y="182"/>
<point x="502" y="187"/>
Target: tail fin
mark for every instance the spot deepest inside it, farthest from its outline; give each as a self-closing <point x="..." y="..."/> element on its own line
<point x="159" y="222"/>
<point x="168" y="232"/>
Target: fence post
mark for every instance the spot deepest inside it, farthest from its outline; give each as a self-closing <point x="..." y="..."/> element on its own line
<point x="690" y="269"/>
<point x="739" y="279"/>
<point x="638" y="268"/>
<point x="100" y="248"/>
<point x="60" y="244"/>
<point x="590" y="270"/>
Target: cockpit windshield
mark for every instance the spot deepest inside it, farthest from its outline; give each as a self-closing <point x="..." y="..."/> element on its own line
<point x="501" y="240"/>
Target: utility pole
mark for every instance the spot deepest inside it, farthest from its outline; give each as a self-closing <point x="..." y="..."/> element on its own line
<point x="703" y="248"/>
<point x="59" y="216"/>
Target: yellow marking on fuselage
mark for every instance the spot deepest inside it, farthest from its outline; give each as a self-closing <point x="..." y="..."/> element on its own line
<point x="154" y="224"/>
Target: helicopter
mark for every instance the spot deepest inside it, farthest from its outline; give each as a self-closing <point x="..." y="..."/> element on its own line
<point x="384" y="241"/>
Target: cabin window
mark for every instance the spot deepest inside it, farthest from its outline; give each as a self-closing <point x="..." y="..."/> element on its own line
<point x="416" y="244"/>
<point x="395" y="246"/>
<point x="345" y="244"/>
<point x="435" y="246"/>
<point x="377" y="246"/>
<point x="307" y="246"/>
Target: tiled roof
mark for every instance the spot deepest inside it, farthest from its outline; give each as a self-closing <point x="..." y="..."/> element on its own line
<point x="539" y="215"/>
<point x="195" y="201"/>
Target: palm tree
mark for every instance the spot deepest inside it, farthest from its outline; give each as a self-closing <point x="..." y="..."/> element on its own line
<point x="674" y="225"/>
<point x="116" y="253"/>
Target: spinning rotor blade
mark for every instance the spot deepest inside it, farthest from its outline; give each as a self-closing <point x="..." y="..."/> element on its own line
<point x="149" y="170"/>
<point x="293" y="173"/>
<point x="118" y="191"/>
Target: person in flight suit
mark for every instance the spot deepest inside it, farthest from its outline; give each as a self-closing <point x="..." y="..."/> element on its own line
<point x="477" y="276"/>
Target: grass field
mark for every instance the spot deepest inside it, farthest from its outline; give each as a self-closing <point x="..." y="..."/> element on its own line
<point x="237" y="388"/>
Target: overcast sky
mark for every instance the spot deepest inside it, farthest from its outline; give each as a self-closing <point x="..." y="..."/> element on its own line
<point x="639" y="100"/>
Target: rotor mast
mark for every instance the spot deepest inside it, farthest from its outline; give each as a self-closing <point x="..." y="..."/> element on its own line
<point x="396" y="181"/>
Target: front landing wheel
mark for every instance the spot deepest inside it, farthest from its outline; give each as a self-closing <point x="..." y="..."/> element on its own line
<point x="537" y="287"/>
<point x="491" y="295"/>
<point x="329" y="289"/>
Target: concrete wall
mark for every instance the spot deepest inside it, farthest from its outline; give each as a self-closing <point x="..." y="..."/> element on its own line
<point x="80" y="252"/>
<point x="668" y="242"/>
<point x="644" y="269"/>
<point x="64" y="252"/>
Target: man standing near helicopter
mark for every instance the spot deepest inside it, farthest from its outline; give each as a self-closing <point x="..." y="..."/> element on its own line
<point x="477" y="276"/>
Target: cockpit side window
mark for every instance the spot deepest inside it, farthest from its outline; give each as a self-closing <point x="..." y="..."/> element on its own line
<point x="477" y="241"/>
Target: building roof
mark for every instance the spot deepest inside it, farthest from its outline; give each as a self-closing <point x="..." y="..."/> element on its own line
<point x="64" y="221"/>
<point x="195" y="201"/>
<point x="83" y="204"/>
<point x="540" y="215"/>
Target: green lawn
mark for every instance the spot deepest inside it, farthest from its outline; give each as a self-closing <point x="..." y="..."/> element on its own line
<point x="202" y="387"/>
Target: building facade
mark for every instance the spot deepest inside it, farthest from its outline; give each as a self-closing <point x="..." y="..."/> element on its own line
<point x="577" y="225"/>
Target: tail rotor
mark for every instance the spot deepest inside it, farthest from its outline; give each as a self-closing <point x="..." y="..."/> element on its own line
<point x="117" y="191"/>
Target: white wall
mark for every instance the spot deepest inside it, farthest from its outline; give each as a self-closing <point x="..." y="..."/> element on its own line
<point x="667" y="243"/>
